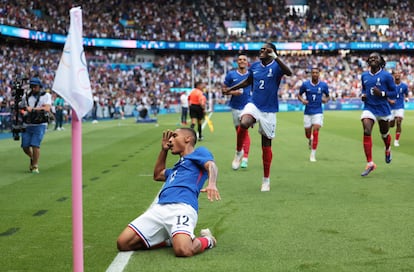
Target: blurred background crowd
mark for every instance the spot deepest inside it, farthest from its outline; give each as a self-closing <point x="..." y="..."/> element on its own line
<point x="129" y="77"/>
<point x="196" y="20"/>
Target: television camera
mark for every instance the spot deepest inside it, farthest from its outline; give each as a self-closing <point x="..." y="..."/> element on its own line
<point x="16" y="115"/>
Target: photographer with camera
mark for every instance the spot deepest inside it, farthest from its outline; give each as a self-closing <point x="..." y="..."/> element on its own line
<point x="35" y="109"/>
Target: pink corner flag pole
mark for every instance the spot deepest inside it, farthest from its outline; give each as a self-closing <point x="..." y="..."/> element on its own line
<point x="77" y="215"/>
<point x="73" y="84"/>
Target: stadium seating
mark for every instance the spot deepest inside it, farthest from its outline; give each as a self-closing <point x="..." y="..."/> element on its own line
<point x="126" y="78"/>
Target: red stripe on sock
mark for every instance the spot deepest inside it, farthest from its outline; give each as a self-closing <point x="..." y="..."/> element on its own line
<point x="204" y="243"/>
<point x="387" y="142"/>
<point x="246" y="144"/>
<point x="315" y="139"/>
<point x="397" y="136"/>
<point x="267" y="156"/>
<point x="368" y="147"/>
<point x="241" y="135"/>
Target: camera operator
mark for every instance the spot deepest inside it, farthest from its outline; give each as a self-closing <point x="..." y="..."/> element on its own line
<point x="36" y="107"/>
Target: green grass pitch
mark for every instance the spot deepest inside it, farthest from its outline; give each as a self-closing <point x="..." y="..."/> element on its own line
<point x="319" y="216"/>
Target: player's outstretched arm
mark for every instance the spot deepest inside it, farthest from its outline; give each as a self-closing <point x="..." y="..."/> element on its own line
<point x="248" y="81"/>
<point x="211" y="188"/>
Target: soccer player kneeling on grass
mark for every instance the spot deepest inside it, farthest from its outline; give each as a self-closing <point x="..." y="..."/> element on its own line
<point x="172" y="217"/>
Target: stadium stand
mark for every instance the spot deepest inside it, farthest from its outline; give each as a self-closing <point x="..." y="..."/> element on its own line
<point x="125" y="78"/>
<point x="187" y="20"/>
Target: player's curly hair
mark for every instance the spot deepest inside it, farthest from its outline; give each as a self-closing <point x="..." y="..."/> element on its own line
<point x="382" y="62"/>
<point x="272" y="46"/>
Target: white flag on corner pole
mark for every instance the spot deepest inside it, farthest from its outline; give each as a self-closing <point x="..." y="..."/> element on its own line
<point x="72" y="77"/>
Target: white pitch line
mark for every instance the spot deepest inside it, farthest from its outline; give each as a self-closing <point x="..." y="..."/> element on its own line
<point x="120" y="261"/>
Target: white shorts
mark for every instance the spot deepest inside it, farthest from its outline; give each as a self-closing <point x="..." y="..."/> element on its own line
<point x="370" y="115"/>
<point x="162" y="221"/>
<point x="267" y="120"/>
<point x="397" y="113"/>
<point x="314" y="119"/>
<point x="236" y="117"/>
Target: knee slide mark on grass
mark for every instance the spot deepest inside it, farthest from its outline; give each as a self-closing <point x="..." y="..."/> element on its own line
<point x="13" y="230"/>
<point x="124" y="160"/>
<point x="9" y="232"/>
<point x="329" y="231"/>
<point x="40" y="213"/>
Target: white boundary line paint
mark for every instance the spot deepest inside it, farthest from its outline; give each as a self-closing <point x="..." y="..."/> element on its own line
<point x="122" y="258"/>
<point x="120" y="262"/>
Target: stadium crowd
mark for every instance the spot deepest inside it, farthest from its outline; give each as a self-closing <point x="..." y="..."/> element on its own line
<point x="188" y="20"/>
<point x="130" y="77"/>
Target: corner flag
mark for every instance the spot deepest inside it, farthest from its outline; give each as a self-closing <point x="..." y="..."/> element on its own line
<point x="72" y="83"/>
<point x="72" y="78"/>
<point x="209" y="123"/>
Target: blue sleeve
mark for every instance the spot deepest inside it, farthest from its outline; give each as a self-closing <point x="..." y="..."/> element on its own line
<point x="363" y="90"/>
<point x="405" y="91"/>
<point x="227" y="80"/>
<point x="200" y="156"/>
<point x="392" y="88"/>
<point x="167" y="173"/>
<point x="302" y="88"/>
<point x="326" y="89"/>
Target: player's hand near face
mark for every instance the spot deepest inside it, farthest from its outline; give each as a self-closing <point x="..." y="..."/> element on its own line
<point x="166" y="135"/>
<point x="271" y="53"/>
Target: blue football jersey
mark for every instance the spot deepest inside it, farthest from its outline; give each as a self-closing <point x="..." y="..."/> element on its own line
<point x="402" y="91"/>
<point x="314" y="94"/>
<point x="232" y="78"/>
<point x="185" y="180"/>
<point x="385" y="82"/>
<point x="266" y="81"/>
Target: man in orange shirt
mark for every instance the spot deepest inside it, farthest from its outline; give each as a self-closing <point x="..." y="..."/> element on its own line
<point x="197" y="105"/>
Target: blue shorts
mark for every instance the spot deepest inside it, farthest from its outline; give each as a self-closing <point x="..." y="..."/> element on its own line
<point x="33" y="136"/>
